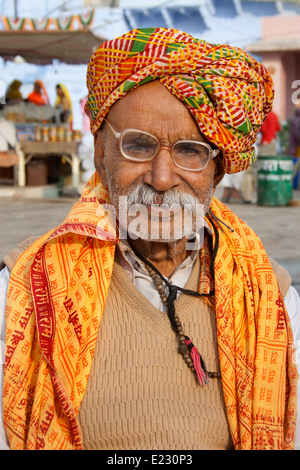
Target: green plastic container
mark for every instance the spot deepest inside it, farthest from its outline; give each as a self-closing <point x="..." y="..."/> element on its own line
<point x="274" y="180"/>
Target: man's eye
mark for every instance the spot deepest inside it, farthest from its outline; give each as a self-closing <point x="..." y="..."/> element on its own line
<point x="137" y="146"/>
<point x="189" y="149"/>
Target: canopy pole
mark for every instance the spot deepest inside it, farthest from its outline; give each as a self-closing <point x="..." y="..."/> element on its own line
<point x="16" y="8"/>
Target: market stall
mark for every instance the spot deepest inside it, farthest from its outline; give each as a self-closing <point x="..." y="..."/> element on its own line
<point x="28" y="150"/>
<point x="8" y="156"/>
<point x="41" y="136"/>
<point x="41" y="47"/>
<point x="8" y="161"/>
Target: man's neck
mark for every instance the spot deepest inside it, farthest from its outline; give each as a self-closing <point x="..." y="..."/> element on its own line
<point x="164" y="256"/>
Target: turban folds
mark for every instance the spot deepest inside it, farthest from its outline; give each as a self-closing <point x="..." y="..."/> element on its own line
<point x="226" y="90"/>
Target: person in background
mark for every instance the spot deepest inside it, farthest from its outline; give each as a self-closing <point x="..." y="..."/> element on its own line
<point x="294" y="136"/>
<point x="39" y="95"/>
<point x="294" y="143"/>
<point x="8" y="138"/>
<point x="269" y="129"/>
<point x="64" y="103"/>
<point x="233" y="188"/>
<point x="85" y="119"/>
<point x="13" y="94"/>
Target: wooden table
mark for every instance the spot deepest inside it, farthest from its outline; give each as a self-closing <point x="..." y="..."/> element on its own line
<point x="27" y="150"/>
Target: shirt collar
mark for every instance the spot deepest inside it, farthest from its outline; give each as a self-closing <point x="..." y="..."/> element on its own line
<point x="130" y="262"/>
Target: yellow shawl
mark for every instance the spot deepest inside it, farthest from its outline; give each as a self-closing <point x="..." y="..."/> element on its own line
<point x="56" y="297"/>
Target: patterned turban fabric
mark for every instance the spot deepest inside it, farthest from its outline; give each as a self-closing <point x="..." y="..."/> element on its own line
<point x="226" y="90"/>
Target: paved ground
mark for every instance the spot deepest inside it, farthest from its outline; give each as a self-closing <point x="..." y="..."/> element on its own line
<point x="279" y="230"/>
<point x="278" y="227"/>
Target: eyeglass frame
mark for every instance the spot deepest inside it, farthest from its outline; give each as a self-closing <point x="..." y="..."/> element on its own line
<point x="119" y="135"/>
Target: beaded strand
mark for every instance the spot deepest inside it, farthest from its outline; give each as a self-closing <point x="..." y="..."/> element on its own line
<point x="183" y="349"/>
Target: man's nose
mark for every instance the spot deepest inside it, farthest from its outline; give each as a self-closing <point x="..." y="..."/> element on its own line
<point x="162" y="174"/>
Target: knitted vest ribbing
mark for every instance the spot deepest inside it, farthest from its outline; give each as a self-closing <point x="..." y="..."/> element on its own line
<point x="140" y="393"/>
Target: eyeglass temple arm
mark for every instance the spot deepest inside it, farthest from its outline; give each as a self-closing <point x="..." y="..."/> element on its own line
<point x="116" y="134"/>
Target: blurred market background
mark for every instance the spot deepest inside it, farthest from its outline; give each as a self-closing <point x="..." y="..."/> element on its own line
<point x="47" y="151"/>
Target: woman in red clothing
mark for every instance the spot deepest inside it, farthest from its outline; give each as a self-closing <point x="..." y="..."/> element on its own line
<point x="39" y="95"/>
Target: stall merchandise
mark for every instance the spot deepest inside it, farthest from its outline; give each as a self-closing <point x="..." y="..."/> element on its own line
<point x="26" y="112"/>
<point x="40" y="136"/>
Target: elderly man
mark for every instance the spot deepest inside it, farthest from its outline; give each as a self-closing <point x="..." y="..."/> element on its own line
<point x="149" y="335"/>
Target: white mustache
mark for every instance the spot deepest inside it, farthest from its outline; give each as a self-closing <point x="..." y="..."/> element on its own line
<point x="146" y="195"/>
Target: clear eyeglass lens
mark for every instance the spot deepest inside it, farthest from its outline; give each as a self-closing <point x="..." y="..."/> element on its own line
<point x="139" y="145"/>
<point x="191" y="155"/>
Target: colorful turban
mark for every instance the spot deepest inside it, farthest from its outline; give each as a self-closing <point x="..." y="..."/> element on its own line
<point x="226" y="90"/>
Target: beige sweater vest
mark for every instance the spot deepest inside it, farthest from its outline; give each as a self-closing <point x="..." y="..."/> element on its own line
<point x="140" y="393"/>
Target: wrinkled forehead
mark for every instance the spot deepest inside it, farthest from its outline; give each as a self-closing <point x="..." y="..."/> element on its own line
<point x="152" y="107"/>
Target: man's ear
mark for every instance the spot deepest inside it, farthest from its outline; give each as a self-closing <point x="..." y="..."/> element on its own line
<point x="99" y="157"/>
<point x="219" y="170"/>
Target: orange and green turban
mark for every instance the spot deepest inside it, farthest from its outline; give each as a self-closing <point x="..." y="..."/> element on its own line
<point x="227" y="91"/>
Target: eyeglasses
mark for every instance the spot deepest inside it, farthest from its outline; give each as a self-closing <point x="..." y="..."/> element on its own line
<point x="139" y="146"/>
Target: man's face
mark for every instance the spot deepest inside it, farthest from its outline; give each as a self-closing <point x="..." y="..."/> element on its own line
<point x="153" y="109"/>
